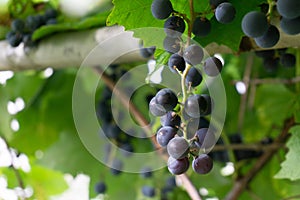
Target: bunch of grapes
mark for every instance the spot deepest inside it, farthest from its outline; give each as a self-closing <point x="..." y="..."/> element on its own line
<point x="273" y="58"/>
<point x="257" y="25"/>
<point x="22" y="30"/>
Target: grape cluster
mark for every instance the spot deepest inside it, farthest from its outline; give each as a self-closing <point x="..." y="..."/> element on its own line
<point x="184" y="131"/>
<point x="164" y="104"/>
<point x="256" y="24"/>
<point x="22" y="30"/>
<point x="273" y="58"/>
<point x="110" y="129"/>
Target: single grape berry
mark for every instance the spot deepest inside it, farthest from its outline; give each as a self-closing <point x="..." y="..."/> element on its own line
<point x="116" y="167"/>
<point x="161" y="9"/>
<point x="148" y="191"/>
<point x="156" y="109"/>
<point x="269" y="39"/>
<point x="290" y="26"/>
<point x="174" y="26"/>
<point x="178" y="147"/>
<point x="165" y="134"/>
<point x="254" y="24"/>
<point x="147" y="52"/>
<point x="289" y="9"/>
<point x="176" y="62"/>
<point x="193" y="77"/>
<point x="198" y="105"/>
<point x="205" y="138"/>
<point x="201" y="27"/>
<point x="171" y="119"/>
<point x="179" y="166"/>
<point x="100" y="187"/>
<point x="172" y="45"/>
<point x="193" y="54"/>
<point x="288" y="60"/>
<point x="225" y="13"/>
<point x="212" y="66"/>
<point x="194" y="124"/>
<point x="15" y="39"/>
<point x="203" y="164"/>
<point x="167" y="99"/>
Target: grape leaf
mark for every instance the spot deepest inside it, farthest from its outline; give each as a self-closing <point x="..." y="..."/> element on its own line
<point x="289" y="168"/>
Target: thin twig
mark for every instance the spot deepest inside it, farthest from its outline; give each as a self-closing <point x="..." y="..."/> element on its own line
<point x="190" y="188"/>
<point x="246" y="80"/>
<point x="242" y="182"/>
<point x="274" y="81"/>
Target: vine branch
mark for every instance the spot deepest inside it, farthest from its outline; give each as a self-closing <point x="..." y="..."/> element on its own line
<point x="242" y="182"/>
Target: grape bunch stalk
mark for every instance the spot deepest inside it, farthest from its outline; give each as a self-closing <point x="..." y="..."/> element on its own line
<point x="182" y="130"/>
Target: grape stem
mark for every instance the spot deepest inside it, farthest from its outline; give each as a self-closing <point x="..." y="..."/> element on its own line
<point x="298" y="70"/>
<point x="242" y="182"/>
<point x="190" y="22"/>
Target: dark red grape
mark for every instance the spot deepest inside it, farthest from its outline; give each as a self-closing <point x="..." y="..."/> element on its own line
<point x="174" y="26"/>
<point x="225" y="13"/>
<point x="167" y="99"/>
<point x="165" y="134"/>
<point x="254" y="24"/>
<point x="178" y="147"/>
<point x="205" y="138"/>
<point x="201" y="27"/>
<point x="176" y="62"/>
<point x="289" y="9"/>
<point x="203" y="164"/>
<point x="193" y="54"/>
<point x="193" y="77"/>
<point x="161" y="9"/>
<point x="212" y="66"/>
<point x="290" y="26"/>
<point x="269" y="39"/>
<point x="179" y="166"/>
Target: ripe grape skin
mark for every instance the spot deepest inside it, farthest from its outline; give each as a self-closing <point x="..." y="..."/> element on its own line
<point x="193" y="54"/>
<point x="212" y="66"/>
<point x="146" y="172"/>
<point x="161" y="9"/>
<point x="290" y="26"/>
<point x="171" y="119"/>
<point x="174" y="26"/>
<point x="201" y="27"/>
<point x="198" y="105"/>
<point x="17" y="25"/>
<point x="289" y="9"/>
<point x="15" y="39"/>
<point x="100" y="187"/>
<point x="194" y="124"/>
<point x="271" y="64"/>
<point x="203" y="164"/>
<point x="147" y="52"/>
<point x="265" y="53"/>
<point x="288" y="60"/>
<point x="269" y="39"/>
<point x="156" y="109"/>
<point x="165" y="134"/>
<point x="148" y="191"/>
<point x="193" y="77"/>
<point x="179" y="166"/>
<point x="178" y="147"/>
<point x="172" y="45"/>
<point x="254" y="24"/>
<point x="225" y="13"/>
<point x="167" y="99"/>
<point x="205" y="138"/>
<point x="176" y="61"/>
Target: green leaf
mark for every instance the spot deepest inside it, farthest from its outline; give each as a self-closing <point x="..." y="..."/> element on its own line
<point x="290" y="167"/>
<point x="45" y="182"/>
<point x="87" y="23"/>
<point x="46" y="115"/>
<point x="274" y="103"/>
